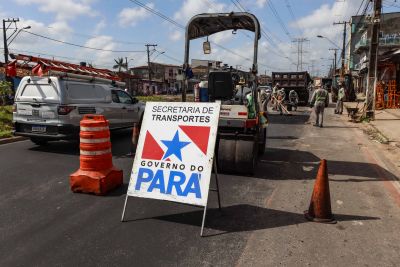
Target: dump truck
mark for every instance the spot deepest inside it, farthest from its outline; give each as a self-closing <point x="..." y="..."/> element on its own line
<point x="297" y="81"/>
<point x="241" y="133"/>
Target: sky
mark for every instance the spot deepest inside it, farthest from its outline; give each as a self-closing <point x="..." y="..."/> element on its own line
<point x="121" y="28"/>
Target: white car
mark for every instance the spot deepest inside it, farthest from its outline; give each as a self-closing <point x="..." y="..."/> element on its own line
<point x="50" y="108"/>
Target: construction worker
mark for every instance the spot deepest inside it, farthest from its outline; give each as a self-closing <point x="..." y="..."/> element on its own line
<point x="265" y="97"/>
<point x="339" y="102"/>
<point x="320" y="100"/>
<point x="275" y="95"/>
<point x="293" y="99"/>
<point x="281" y="94"/>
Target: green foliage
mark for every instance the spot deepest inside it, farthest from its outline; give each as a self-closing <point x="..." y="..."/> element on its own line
<point x="5" y="90"/>
<point x="164" y="98"/>
<point x="120" y="63"/>
<point x="5" y="121"/>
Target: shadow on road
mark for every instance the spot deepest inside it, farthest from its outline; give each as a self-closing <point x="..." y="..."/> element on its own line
<point x="243" y="217"/>
<point x="59" y="147"/>
<point x="283" y="137"/>
<point x="282" y="119"/>
<point x="303" y="165"/>
<point x="120" y="141"/>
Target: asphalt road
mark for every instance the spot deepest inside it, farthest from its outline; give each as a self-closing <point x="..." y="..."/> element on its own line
<point x="42" y="223"/>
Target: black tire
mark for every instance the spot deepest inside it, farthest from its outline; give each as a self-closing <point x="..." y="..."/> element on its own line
<point x="246" y="156"/>
<point x="226" y="156"/>
<point x="237" y="156"/>
<point x="262" y="140"/>
<point x="39" y="141"/>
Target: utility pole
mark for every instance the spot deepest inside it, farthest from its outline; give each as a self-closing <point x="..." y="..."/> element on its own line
<point x="5" y="39"/>
<point x="300" y="51"/>
<point x="149" y="63"/>
<point x="344" y="23"/>
<point x="312" y="70"/>
<point x="373" y="59"/>
<point x="334" y="62"/>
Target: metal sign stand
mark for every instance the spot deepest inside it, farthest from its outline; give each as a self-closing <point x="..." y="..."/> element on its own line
<point x="216" y="189"/>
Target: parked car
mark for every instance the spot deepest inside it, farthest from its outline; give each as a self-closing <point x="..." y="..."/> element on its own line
<point x="50" y="108"/>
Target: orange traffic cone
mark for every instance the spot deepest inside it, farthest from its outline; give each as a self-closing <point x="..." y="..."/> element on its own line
<point x="134" y="140"/>
<point x="320" y="205"/>
<point x="96" y="173"/>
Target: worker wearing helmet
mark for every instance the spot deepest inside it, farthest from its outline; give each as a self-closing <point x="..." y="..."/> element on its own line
<point x="281" y="95"/>
<point x="293" y="98"/>
<point x="320" y="100"/>
<point x="339" y="103"/>
<point x="275" y="95"/>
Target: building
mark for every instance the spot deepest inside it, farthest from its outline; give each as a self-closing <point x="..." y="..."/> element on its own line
<point x="164" y="78"/>
<point x="389" y="48"/>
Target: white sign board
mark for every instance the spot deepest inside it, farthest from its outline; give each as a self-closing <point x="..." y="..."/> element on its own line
<point x="175" y="152"/>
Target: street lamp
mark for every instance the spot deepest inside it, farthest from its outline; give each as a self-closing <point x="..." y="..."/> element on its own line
<point x="320" y="36"/>
<point x="24" y="28"/>
<point x="12" y="36"/>
<point x="159" y="53"/>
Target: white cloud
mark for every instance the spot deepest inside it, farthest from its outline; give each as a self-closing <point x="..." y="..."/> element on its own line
<point x="261" y="3"/>
<point x="64" y="9"/>
<point x="176" y="36"/>
<point x="100" y="57"/>
<point x="99" y="26"/>
<point x="131" y="16"/>
<point x="57" y="30"/>
<point x="192" y="7"/>
<point x="221" y="37"/>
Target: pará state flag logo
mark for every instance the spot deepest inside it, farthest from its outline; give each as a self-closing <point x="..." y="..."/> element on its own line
<point x="183" y="137"/>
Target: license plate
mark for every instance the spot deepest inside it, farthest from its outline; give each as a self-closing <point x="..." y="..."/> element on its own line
<point x="48" y="115"/>
<point x="26" y="112"/>
<point x="38" y="128"/>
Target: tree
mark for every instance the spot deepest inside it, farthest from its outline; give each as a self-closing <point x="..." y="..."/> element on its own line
<point x="5" y="90"/>
<point x="120" y="63"/>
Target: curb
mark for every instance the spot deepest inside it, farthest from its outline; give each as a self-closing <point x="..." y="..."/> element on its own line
<point x="12" y="140"/>
<point x="379" y="136"/>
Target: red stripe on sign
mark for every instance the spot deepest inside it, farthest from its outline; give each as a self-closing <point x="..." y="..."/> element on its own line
<point x="199" y="135"/>
<point x="151" y="149"/>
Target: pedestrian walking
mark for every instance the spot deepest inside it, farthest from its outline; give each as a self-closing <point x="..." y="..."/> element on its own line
<point x="339" y="102"/>
<point x="319" y="100"/>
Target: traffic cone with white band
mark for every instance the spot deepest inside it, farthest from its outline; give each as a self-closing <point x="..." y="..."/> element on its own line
<point x="96" y="173"/>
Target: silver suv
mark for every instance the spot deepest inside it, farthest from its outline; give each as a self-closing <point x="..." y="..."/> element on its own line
<point x="50" y="108"/>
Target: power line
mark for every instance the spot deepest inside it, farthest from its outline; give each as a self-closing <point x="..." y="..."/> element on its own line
<point x="97" y="36"/>
<point x="55" y="56"/>
<point x="170" y="57"/>
<point x="183" y="27"/>
<point x="238" y="2"/>
<point x="280" y="21"/>
<point x="82" y="46"/>
<point x="266" y="36"/>
<point x="292" y="14"/>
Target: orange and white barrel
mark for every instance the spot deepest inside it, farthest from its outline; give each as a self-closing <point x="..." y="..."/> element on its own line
<point x="95" y="145"/>
<point x="96" y="173"/>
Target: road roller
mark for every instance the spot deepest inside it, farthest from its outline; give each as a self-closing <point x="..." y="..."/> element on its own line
<point x="242" y="124"/>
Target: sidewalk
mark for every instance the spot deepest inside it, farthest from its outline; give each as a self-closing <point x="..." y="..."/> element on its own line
<point x="387" y="122"/>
